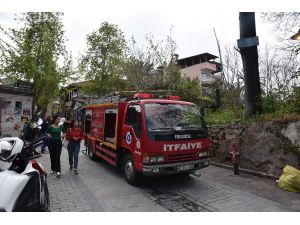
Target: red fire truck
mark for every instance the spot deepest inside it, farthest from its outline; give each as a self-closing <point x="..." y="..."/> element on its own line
<point x="147" y="135"/>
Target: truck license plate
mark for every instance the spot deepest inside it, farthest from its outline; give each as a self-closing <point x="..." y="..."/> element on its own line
<point x="185" y="167"/>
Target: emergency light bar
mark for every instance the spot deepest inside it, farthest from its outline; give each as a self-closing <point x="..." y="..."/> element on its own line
<point x="143" y="96"/>
<point x="149" y="96"/>
<point x="173" y="97"/>
<point x="116" y="97"/>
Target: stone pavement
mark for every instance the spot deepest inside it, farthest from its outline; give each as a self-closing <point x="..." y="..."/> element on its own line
<point x="96" y="188"/>
<point x="100" y="187"/>
<point x="64" y="192"/>
<point x="262" y="187"/>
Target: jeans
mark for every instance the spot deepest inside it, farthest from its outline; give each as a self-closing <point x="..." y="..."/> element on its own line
<point x="73" y="150"/>
<point x="55" y="146"/>
<point x="45" y="143"/>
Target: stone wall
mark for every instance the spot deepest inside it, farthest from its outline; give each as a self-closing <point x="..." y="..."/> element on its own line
<point x="264" y="146"/>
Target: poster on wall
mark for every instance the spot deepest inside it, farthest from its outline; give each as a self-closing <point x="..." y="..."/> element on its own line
<point x="8" y="111"/>
<point x="14" y="114"/>
<point x="26" y="112"/>
<point x="24" y="119"/>
<point x="9" y="119"/>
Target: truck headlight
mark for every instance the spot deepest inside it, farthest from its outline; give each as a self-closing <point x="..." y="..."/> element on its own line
<point x="146" y="158"/>
<point x="202" y="154"/>
<point x="153" y="159"/>
<point x="160" y="158"/>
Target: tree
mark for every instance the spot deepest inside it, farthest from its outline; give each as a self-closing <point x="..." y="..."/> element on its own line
<point x="278" y="79"/>
<point x="36" y="52"/>
<point x="139" y="68"/>
<point x="102" y="62"/>
<point x="285" y="25"/>
<point x="154" y="67"/>
<point x="233" y="83"/>
<point x="277" y="71"/>
<point x="150" y="66"/>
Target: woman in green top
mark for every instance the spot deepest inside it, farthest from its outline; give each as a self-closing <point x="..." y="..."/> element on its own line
<point x="55" y="145"/>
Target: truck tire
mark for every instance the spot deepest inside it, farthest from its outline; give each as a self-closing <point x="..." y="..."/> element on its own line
<point x="130" y="175"/>
<point x="91" y="154"/>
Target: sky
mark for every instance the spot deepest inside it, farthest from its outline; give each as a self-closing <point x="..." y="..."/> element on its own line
<point x="193" y="33"/>
<point x="192" y="21"/>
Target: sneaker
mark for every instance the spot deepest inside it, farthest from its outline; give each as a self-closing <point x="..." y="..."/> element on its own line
<point x="71" y="167"/>
<point x="52" y="172"/>
<point x="76" y="171"/>
<point x="58" y="174"/>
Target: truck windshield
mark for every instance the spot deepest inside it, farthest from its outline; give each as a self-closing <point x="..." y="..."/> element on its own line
<point x="165" y="116"/>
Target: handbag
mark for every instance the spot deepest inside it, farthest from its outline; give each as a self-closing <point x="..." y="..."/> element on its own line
<point x="65" y="142"/>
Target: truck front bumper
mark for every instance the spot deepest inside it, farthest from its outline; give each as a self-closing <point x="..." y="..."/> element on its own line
<point x="174" y="168"/>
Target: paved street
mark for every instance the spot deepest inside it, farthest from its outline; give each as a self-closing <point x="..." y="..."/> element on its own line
<point x="100" y="187"/>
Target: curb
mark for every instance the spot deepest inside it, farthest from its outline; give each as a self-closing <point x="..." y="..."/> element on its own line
<point x="245" y="171"/>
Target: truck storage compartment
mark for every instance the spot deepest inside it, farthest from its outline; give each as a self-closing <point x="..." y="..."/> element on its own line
<point x="110" y="125"/>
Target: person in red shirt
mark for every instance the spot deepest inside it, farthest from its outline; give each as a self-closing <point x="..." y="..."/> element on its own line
<point x="74" y="135"/>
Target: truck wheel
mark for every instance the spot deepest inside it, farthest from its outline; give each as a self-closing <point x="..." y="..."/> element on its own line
<point x="131" y="176"/>
<point x="92" y="155"/>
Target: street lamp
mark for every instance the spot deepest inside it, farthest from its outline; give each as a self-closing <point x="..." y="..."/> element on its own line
<point x="296" y="36"/>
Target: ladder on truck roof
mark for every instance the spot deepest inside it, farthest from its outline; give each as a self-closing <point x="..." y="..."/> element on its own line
<point x="119" y="96"/>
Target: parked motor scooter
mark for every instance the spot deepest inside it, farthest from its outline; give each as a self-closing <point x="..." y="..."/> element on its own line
<point x="31" y="132"/>
<point x="23" y="182"/>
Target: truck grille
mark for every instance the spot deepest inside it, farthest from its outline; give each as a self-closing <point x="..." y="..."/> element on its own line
<point x="181" y="157"/>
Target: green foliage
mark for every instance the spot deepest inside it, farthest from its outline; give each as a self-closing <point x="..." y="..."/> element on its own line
<point x="294" y="100"/>
<point x="34" y="53"/>
<point x="221" y="116"/>
<point x="273" y="103"/>
<point x="154" y="68"/>
<point x="189" y="90"/>
<point x="102" y="62"/>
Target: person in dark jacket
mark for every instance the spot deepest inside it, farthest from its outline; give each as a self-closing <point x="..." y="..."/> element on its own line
<point x="67" y="123"/>
<point x="54" y="132"/>
<point x="74" y="135"/>
<point x="45" y="125"/>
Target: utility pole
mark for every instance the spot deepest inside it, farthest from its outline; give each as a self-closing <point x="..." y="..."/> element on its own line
<point x="248" y="48"/>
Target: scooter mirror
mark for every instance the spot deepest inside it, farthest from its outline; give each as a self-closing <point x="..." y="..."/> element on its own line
<point x="39" y="122"/>
<point x="5" y="150"/>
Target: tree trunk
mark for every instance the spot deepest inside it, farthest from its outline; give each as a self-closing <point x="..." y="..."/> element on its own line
<point x="34" y="101"/>
<point x="250" y="64"/>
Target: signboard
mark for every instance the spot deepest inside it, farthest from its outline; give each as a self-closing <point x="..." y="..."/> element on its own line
<point x="24" y="84"/>
<point x="247" y="42"/>
<point x="74" y="94"/>
<point x="26" y="112"/>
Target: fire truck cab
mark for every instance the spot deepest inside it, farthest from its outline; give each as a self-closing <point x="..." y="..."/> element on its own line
<point x="144" y="135"/>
